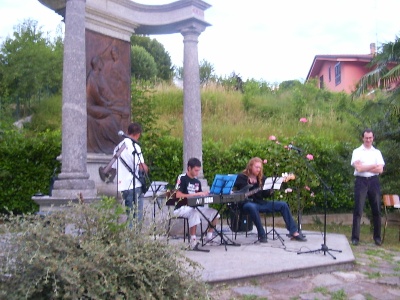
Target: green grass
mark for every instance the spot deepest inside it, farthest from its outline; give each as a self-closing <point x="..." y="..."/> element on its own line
<point x="391" y="240"/>
<point x="321" y="289"/>
<point x="339" y="295"/>
<point x="225" y="118"/>
<point x="229" y="115"/>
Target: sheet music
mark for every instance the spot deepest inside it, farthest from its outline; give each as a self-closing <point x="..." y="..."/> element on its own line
<point x="269" y="181"/>
<point x="159" y="186"/>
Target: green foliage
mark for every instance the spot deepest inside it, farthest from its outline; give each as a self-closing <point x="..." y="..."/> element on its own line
<point x="84" y="252"/>
<point x="206" y="72"/>
<point x="331" y="163"/>
<point x="27" y="164"/>
<point x="142" y="104"/>
<point x="143" y="66"/>
<point x="46" y="115"/>
<point x="289" y="84"/>
<point x="385" y="69"/>
<point x="26" y="60"/>
<point x="339" y="295"/>
<point x="164" y="156"/>
<point x="233" y="82"/>
<point x="160" y="56"/>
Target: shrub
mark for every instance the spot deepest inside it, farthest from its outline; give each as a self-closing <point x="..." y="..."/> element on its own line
<point x="83" y="252"/>
<point x="27" y="163"/>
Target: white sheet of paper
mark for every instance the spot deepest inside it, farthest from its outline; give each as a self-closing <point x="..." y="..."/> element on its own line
<point x="159" y="186"/>
<point x="270" y="180"/>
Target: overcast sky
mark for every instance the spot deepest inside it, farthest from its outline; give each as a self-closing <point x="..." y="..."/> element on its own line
<point x="272" y="41"/>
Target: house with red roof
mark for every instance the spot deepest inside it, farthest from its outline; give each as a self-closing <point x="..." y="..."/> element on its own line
<point x="340" y="72"/>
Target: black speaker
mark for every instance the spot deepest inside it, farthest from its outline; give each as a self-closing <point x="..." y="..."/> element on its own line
<point x="242" y="225"/>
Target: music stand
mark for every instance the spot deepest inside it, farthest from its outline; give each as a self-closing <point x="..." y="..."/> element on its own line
<point x="222" y="186"/>
<point x="269" y="184"/>
<point x="156" y="189"/>
<point x="324" y="247"/>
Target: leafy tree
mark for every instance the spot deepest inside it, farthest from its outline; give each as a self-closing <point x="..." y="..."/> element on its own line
<point x="386" y="69"/>
<point x="289" y="84"/>
<point x="206" y="72"/>
<point x="143" y="65"/>
<point x="157" y="51"/>
<point x="30" y="65"/>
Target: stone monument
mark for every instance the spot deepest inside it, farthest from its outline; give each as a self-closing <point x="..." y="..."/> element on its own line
<point x="96" y="87"/>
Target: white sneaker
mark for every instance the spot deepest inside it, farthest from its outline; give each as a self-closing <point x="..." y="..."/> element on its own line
<point x="193" y="244"/>
<point x="211" y="242"/>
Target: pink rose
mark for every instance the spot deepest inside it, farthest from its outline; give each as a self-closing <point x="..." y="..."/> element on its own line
<point x="272" y="138"/>
<point x="303" y="120"/>
<point x="309" y="156"/>
<point x="265" y="161"/>
<point x="288" y="190"/>
<point x="307" y="188"/>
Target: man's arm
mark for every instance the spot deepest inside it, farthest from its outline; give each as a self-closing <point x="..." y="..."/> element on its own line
<point x="375" y="168"/>
<point x="179" y="194"/>
<point x="143" y="167"/>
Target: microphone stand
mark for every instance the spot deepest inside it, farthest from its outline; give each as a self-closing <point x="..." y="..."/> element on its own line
<point x="324" y="247"/>
<point x="135" y="199"/>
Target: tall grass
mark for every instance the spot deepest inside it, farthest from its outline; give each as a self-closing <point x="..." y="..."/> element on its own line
<point x="230" y="115"/>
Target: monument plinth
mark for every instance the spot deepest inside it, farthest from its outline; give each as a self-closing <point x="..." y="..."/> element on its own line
<point x="96" y="88"/>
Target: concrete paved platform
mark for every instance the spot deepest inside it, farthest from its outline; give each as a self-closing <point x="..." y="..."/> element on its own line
<point x="272" y="259"/>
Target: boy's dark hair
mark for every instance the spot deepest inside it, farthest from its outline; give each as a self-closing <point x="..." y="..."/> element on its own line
<point x="193" y="162"/>
<point x="134" y="128"/>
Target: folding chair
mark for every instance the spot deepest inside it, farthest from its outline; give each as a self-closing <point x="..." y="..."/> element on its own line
<point x="391" y="218"/>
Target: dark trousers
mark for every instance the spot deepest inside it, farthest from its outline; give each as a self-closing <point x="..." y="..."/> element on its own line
<point x="367" y="187"/>
<point x="254" y="209"/>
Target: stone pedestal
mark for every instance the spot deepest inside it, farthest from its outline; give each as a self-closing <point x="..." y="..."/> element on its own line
<point x="118" y="19"/>
<point x="94" y="162"/>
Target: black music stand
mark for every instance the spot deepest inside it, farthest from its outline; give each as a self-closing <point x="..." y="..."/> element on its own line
<point x="222" y="186"/>
<point x="324" y="247"/>
<point x="155" y="190"/>
<point x="269" y="185"/>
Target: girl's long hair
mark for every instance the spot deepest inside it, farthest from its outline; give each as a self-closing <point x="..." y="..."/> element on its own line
<point x="250" y="164"/>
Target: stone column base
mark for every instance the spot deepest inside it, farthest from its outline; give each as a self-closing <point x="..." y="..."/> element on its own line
<point x="49" y="203"/>
<point x="94" y="162"/>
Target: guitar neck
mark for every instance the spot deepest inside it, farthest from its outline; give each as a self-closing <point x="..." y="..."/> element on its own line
<point x="115" y="157"/>
<point x="252" y="192"/>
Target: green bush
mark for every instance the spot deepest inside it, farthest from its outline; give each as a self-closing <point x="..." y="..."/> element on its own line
<point x="27" y="163"/>
<point x="331" y="164"/>
<point x="83" y="252"/>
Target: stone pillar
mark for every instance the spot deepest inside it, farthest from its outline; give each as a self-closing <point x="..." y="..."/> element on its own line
<point x="192" y="128"/>
<point x="74" y="179"/>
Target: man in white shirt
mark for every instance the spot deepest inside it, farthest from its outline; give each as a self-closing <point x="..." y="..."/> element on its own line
<point x="128" y="165"/>
<point x="368" y="164"/>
